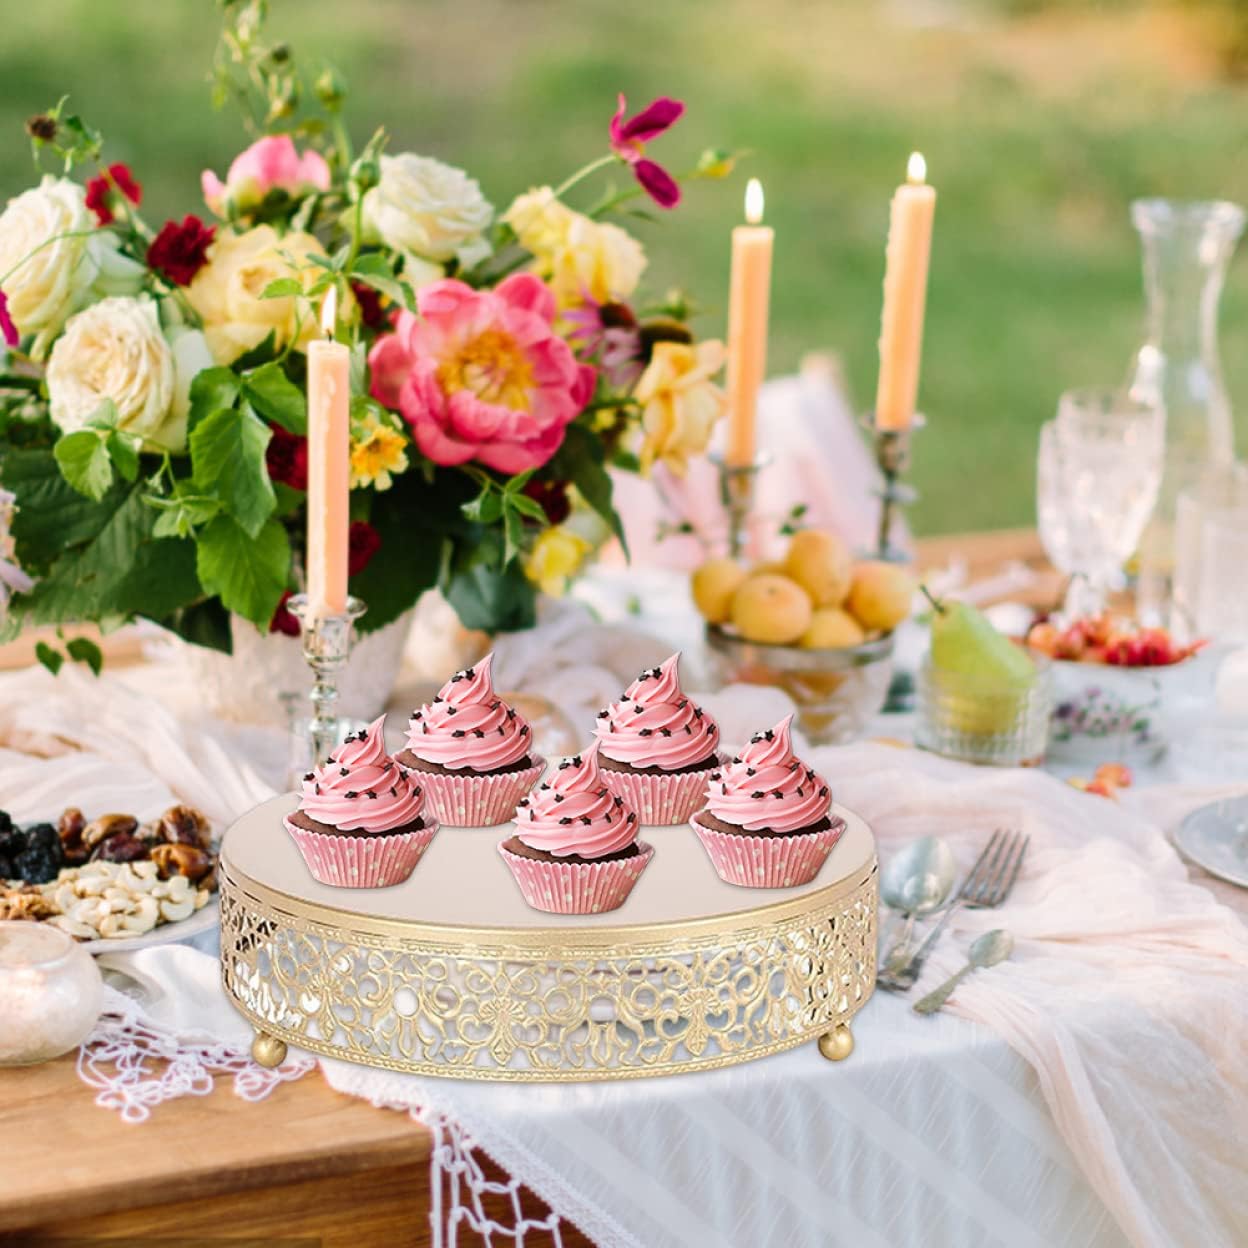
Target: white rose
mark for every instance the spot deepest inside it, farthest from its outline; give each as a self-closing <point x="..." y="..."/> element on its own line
<point x="53" y="258"/>
<point x="115" y="350"/>
<point x="425" y="208"/>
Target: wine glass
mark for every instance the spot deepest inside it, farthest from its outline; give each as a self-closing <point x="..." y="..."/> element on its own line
<point x="1098" y="476"/>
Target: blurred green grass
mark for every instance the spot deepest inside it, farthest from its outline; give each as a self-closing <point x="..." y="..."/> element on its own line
<point x="1038" y="132"/>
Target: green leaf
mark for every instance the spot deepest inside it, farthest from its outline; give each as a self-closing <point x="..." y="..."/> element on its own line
<point x="281" y="288"/>
<point x="104" y="417"/>
<point x="84" y="462"/>
<point x="204" y="624"/>
<point x="52" y="516"/>
<point x="50" y="658"/>
<point x="247" y="573"/>
<point x="486" y="508"/>
<point x="211" y="390"/>
<point x="183" y="511"/>
<point x="277" y="398"/>
<point x="227" y="459"/>
<point x="260" y="354"/>
<point x="527" y="506"/>
<point x="289" y="500"/>
<point x="84" y="650"/>
<point x="123" y="450"/>
<point x="373" y="269"/>
<point x="486" y="598"/>
<point x="513" y="535"/>
<point x="580" y="460"/>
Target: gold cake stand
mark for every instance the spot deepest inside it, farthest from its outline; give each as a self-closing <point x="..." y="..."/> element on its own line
<point x="451" y="974"/>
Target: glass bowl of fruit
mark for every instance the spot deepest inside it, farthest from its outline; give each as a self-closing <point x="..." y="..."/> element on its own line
<point x="815" y="624"/>
<point x="981" y="696"/>
<point x="1114" y="685"/>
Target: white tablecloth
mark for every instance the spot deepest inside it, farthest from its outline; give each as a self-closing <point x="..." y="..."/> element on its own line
<point x="937" y="1131"/>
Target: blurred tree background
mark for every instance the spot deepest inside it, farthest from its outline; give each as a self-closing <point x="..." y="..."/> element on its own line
<point x="1040" y="121"/>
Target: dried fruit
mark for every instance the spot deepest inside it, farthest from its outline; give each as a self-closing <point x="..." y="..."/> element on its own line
<point x="70" y="829"/>
<point x="38" y="863"/>
<point x="120" y="847"/>
<point x="106" y="826"/>
<point x="182" y="859"/>
<point x="184" y="825"/>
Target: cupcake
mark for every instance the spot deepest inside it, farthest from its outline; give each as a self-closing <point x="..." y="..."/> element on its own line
<point x="359" y="823"/>
<point x="768" y="819"/>
<point x="576" y="850"/>
<point x="657" y="747"/>
<point x="471" y="752"/>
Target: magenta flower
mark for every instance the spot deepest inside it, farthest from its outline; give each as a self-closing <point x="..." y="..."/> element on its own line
<point x="8" y="331"/>
<point x="608" y="334"/>
<point x="628" y="140"/>
<point x="481" y="374"/>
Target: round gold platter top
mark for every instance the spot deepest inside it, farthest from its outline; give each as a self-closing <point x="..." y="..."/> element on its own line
<point x="461" y="891"/>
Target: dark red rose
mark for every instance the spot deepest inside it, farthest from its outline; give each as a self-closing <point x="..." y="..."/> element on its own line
<point x="283" y="621"/>
<point x="179" y="251"/>
<point x="363" y="542"/>
<point x="371" y="312"/>
<point x="101" y="190"/>
<point x="286" y="458"/>
<point x="551" y="497"/>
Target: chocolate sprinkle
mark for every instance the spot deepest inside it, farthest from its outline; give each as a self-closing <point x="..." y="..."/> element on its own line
<point x="567" y="819"/>
<point x="344" y="771"/>
<point x="459" y="732"/>
<point x="309" y="775"/>
<point x="370" y="793"/>
<point x="351" y="793"/>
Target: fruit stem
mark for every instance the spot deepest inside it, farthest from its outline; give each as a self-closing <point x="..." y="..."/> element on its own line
<point x="938" y="607"/>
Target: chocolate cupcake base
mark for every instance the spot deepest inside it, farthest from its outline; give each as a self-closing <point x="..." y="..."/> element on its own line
<point x="607" y="763"/>
<point x="708" y="820"/>
<point x="514" y="845"/>
<point x="301" y="819"/>
<point x="411" y="762"/>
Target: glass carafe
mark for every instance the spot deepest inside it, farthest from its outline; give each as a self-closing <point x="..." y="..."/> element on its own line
<point x="1187" y="247"/>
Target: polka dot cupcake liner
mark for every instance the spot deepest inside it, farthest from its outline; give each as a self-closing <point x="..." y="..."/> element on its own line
<point x="378" y="861"/>
<point x="664" y="800"/>
<point x="577" y="887"/>
<point x="472" y="801"/>
<point x="768" y="861"/>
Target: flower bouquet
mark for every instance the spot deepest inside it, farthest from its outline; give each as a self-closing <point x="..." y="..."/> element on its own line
<point x="153" y="460"/>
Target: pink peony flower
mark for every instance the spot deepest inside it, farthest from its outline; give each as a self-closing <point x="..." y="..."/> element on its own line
<point x="481" y="374"/>
<point x="269" y="164"/>
<point x="629" y="139"/>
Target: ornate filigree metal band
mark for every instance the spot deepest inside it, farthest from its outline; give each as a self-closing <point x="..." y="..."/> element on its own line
<point x="385" y="994"/>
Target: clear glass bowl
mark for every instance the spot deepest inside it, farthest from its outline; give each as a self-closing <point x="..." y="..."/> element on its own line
<point x="836" y="691"/>
<point x="982" y="720"/>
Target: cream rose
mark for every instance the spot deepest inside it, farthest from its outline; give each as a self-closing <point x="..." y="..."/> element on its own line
<point x="227" y="291"/>
<point x="576" y="254"/>
<point x="428" y="210"/>
<point x="115" y="350"/>
<point x="53" y="259"/>
<point x="680" y="402"/>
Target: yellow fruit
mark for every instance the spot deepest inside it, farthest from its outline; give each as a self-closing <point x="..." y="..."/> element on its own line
<point x="832" y="629"/>
<point x="714" y="584"/>
<point x="880" y="596"/>
<point x="771" y="609"/>
<point x="774" y="567"/>
<point x="819" y="562"/>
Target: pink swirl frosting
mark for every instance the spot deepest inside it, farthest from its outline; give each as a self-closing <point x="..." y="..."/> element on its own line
<point x="767" y="786"/>
<point x="360" y="788"/>
<point x="655" y="725"/>
<point x="575" y="813"/>
<point x="468" y="725"/>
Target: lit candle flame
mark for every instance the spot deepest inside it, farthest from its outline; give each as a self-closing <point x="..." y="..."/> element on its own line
<point x="754" y="201"/>
<point x="329" y="312"/>
<point x="916" y="169"/>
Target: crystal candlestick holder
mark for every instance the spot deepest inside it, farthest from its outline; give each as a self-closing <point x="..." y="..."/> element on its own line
<point x="737" y="486"/>
<point x="327" y="638"/>
<point x="892" y="454"/>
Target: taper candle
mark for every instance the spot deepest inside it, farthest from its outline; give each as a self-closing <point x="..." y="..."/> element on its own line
<point x="905" y="293"/>
<point x="748" y="295"/>
<point x="329" y="467"/>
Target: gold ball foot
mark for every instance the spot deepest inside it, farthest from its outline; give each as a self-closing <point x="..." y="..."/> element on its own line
<point x="836" y="1045"/>
<point x="268" y="1051"/>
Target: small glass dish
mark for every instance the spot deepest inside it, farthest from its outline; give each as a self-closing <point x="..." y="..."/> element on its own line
<point x="980" y="719"/>
<point x="836" y="691"/>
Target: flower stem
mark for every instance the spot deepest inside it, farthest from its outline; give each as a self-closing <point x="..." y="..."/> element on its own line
<point x="584" y="172"/>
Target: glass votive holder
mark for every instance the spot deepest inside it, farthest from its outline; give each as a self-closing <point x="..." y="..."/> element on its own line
<point x="50" y="993"/>
<point x="984" y="719"/>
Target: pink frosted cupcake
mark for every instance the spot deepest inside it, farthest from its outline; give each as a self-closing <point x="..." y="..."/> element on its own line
<point x="768" y="819"/>
<point x="576" y="850"/>
<point x="359" y="823"/>
<point x="471" y="751"/>
<point x="657" y="747"/>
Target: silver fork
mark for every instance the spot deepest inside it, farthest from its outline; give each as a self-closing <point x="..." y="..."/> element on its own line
<point x="986" y="886"/>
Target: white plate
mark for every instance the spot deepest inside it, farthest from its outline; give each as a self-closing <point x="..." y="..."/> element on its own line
<point x="1216" y="837"/>
<point x="203" y="920"/>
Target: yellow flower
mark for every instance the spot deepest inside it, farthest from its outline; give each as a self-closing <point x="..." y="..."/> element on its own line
<point x="555" y="559"/>
<point x="378" y="450"/>
<point x="227" y="291"/>
<point x="680" y="402"/>
<point x="574" y="253"/>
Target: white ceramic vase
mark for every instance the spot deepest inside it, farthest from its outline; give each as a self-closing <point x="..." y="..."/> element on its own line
<point x="248" y="685"/>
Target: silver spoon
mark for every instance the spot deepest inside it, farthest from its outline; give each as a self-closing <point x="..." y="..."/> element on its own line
<point x="986" y="950"/>
<point x="915" y="881"/>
